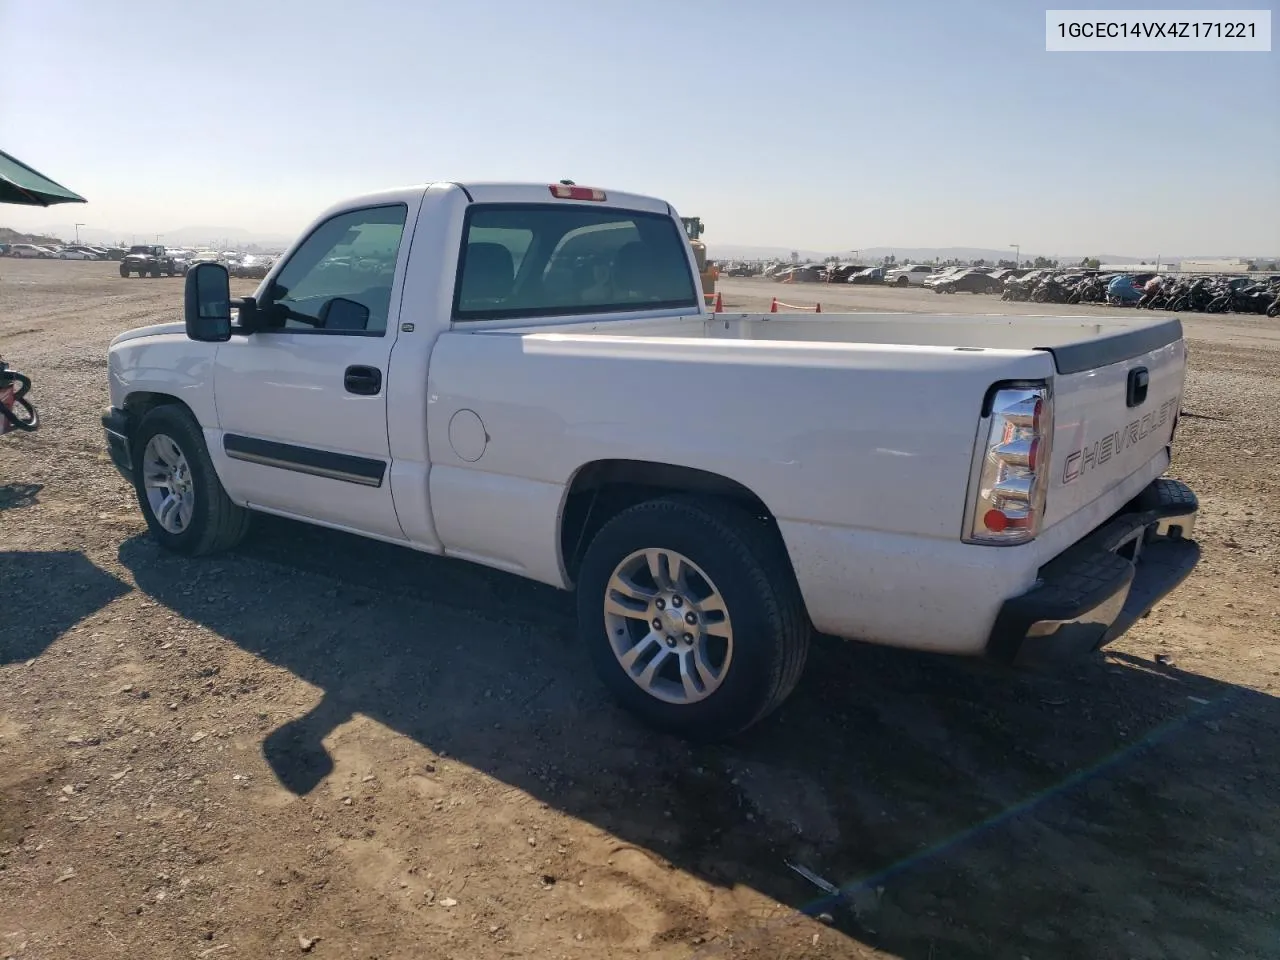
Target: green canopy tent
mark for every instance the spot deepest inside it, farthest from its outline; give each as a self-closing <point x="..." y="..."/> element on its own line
<point x="20" y="184"/>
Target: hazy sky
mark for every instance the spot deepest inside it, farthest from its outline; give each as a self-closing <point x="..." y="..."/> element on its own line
<point x="840" y="125"/>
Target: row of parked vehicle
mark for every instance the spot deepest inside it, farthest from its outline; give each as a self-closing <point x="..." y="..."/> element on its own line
<point x="1201" y="293"/>
<point x="153" y="260"/>
<point x="73" y="251"/>
<point x="956" y="279"/>
<point x="1206" y="293"/>
<point x="146" y="259"/>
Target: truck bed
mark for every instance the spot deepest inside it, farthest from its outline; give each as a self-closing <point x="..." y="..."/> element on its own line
<point x="1076" y="343"/>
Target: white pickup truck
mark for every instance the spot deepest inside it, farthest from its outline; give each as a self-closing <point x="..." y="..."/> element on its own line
<point x="525" y="376"/>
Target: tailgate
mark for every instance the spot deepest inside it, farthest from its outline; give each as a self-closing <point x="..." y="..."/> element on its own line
<point x="1107" y="427"/>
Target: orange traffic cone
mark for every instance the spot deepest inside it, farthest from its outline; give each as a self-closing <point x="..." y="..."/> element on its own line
<point x="773" y="307"/>
<point x="719" y="302"/>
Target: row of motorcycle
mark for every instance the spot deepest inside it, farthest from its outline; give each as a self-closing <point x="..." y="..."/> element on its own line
<point x="1203" y="293"/>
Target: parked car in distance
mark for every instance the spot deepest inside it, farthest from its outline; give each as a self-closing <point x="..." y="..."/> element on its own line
<point x="942" y="274"/>
<point x="801" y="273"/>
<point x="30" y="251"/>
<point x="909" y="275"/>
<point x="979" y="486"/>
<point x="251" y="266"/>
<point x="973" y="280"/>
<point x="181" y="259"/>
<point x="869" y="275"/>
<point x="148" y="260"/>
<point x="76" y="253"/>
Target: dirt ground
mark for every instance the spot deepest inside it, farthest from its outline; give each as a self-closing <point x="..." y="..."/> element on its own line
<point x="329" y="746"/>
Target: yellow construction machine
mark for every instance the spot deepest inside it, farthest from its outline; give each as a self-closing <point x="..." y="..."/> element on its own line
<point x="707" y="271"/>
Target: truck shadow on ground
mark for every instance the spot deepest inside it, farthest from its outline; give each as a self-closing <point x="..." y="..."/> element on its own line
<point x="1121" y="809"/>
<point x="44" y="594"/>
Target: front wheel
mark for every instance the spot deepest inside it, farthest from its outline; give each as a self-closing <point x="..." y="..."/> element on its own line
<point x="182" y="499"/>
<point x="124" y="270"/>
<point x="692" y="617"/>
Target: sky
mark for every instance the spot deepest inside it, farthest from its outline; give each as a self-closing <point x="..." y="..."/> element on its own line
<point x="842" y="125"/>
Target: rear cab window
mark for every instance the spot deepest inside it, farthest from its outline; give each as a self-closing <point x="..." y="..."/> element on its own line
<point x="553" y="260"/>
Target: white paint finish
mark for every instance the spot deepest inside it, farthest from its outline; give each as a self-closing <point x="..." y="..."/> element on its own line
<point x="303" y="518"/>
<point x="928" y="594"/>
<point x="541" y="193"/>
<point x="426" y="302"/>
<point x="858" y="436"/>
<point x="508" y="522"/>
<point x="890" y="329"/>
<point x="904" y="591"/>
<point x="288" y="388"/>
<point x="160" y="359"/>
<point x="223" y="465"/>
<point x="1089" y="410"/>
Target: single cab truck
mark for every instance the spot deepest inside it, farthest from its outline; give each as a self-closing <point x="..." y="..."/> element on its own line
<point x="525" y="376"/>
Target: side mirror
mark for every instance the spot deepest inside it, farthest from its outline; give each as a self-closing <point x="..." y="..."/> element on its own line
<point x="207" y="303"/>
<point x="343" y="314"/>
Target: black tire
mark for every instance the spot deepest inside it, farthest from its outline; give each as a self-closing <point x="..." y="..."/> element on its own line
<point x="124" y="271"/>
<point x="745" y="559"/>
<point x="902" y="281"/>
<point x="216" y="523"/>
<point x="155" y="272"/>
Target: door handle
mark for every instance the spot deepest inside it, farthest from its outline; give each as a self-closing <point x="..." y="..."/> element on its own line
<point x="1139" y="381"/>
<point x="366" y="381"/>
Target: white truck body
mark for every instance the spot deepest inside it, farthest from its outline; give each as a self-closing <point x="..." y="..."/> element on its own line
<point x="862" y="438"/>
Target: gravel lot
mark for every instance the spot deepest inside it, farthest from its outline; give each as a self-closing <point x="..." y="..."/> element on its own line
<point x="329" y="746"/>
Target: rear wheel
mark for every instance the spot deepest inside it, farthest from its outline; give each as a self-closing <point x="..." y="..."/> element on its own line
<point x="692" y="617"/>
<point x="124" y="270"/>
<point x="183" y="501"/>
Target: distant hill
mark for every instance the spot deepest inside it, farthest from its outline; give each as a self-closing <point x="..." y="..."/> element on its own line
<point x="233" y="235"/>
<point x="730" y="251"/>
<point x="179" y="237"/>
<point x="8" y="235"/>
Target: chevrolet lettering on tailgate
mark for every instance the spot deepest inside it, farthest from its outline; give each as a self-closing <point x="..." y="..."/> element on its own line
<point x="1095" y="454"/>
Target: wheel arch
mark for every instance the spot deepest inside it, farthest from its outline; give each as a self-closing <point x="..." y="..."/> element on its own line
<point x="601" y="489"/>
<point x="139" y="403"/>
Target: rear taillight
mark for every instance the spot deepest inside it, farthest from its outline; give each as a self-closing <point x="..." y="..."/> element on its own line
<point x="1014" y="473"/>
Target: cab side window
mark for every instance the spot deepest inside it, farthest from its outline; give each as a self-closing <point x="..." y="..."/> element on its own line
<point x="339" y="280"/>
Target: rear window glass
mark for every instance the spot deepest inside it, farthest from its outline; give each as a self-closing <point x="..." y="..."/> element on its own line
<point x="532" y="260"/>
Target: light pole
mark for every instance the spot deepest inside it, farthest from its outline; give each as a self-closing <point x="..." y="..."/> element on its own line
<point x="1017" y="254"/>
<point x="78" y="226"/>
